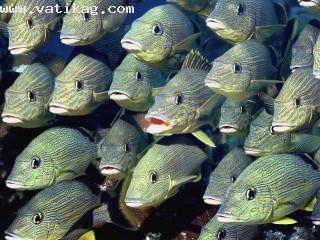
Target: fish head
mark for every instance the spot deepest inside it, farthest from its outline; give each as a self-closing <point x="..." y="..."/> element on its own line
<point x="26" y="101"/>
<point x="296" y="106"/>
<point x="81" y="87"/>
<point x="52" y="212"/>
<point x="248" y="201"/>
<point x="235" y="116"/>
<point x="262" y="140"/>
<point x="153" y="36"/>
<point x="224" y="175"/>
<point x="30" y="30"/>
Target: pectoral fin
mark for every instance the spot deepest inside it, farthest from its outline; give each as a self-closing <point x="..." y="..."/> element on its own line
<point x="186" y="179"/>
<point x="264" y="32"/>
<point x="186" y="44"/>
<point x="155" y="91"/>
<point x="310" y="206"/>
<point x="88" y="236"/>
<point x="203" y="137"/>
<point x="101" y="96"/>
<point x="285" y="221"/>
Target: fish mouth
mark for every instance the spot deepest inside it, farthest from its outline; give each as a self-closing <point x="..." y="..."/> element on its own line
<point x="15" y="185"/>
<point x="315" y="221"/>
<point x="211" y="200"/>
<point x="110" y="170"/>
<point x="58" y="108"/>
<point x="215" y="24"/>
<point x="11" y="118"/>
<point x="118" y="96"/>
<point x="134" y="203"/>
<point x="252" y="151"/>
<point x="212" y="84"/>
<point x="17" y="50"/>
<point x="13" y="236"/>
<point x="228" y="129"/>
<point x="307" y="3"/>
<point x="131" y="45"/>
<point x="69" y="40"/>
<point x="281" y="128"/>
<point x="157" y="124"/>
<point x="228" y="218"/>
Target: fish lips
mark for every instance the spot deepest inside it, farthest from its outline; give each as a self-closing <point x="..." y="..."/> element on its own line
<point x="136" y="203"/>
<point x="17" y="185"/>
<point x="131" y="45"/>
<point x="19" y="49"/>
<point x="59" y="109"/>
<point x="308" y="3"/>
<point x="70" y="40"/>
<point x="252" y="151"/>
<point x="228" y="129"/>
<point x="211" y="200"/>
<point x="118" y="95"/>
<point x="229" y="218"/>
<point x="14" y="236"/>
<point x="11" y="118"/>
<point x="158" y="124"/>
<point x="282" y="127"/>
<point x="215" y="24"/>
<point x="111" y="169"/>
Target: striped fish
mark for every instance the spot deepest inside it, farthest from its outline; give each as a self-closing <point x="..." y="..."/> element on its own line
<point x="242" y="19"/>
<point x="298" y="102"/>
<point x="134" y="84"/>
<point x="30" y="29"/>
<point x="200" y="7"/>
<point x="215" y="230"/>
<point x="56" y="155"/>
<point x="316" y="54"/>
<point x="236" y="115"/>
<point x="54" y="213"/>
<point x="94" y="21"/>
<point x="81" y="87"/>
<point x="269" y="189"/>
<point x="120" y="148"/>
<point x="313" y="6"/>
<point x="262" y="141"/>
<point x="167" y="165"/>
<point x="315" y="216"/>
<point x="160" y="34"/>
<point x="185" y="103"/>
<point x="243" y="71"/>
<point x="27" y="100"/>
<point x="302" y="50"/>
<point x="224" y="175"/>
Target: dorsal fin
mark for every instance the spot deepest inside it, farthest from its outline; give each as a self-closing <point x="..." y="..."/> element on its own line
<point x="196" y="61"/>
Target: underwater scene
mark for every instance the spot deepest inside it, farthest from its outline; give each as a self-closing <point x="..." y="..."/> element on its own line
<point x="160" y="119"/>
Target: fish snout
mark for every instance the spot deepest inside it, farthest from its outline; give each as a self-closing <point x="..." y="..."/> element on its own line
<point x="11" y="118"/>
<point x="15" y="185"/>
<point x="12" y="236"/>
<point x="18" y="49"/>
<point x="280" y="128"/>
<point x="69" y="39"/>
<point x="133" y="202"/>
<point x="215" y="24"/>
<point x="131" y="45"/>
<point x="228" y="129"/>
<point x="58" y="108"/>
<point x="110" y="169"/>
<point x="307" y="3"/>
<point x="211" y="200"/>
<point x="117" y="95"/>
<point x="158" y="124"/>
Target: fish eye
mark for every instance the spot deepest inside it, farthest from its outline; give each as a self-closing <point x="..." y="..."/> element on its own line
<point x="272" y="131"/>
<point x="37" y="218"/>
<point x="251" y="193"/>
<point x="243" y="109"/>
<point x="153" y="177"/>
<point x="237" y="68"/>
<point x="29" y="23"/>
<point x="179" y="99"/>
<point x="221" y="234"/>
<point x="79" y="85"/>
<point x="126" y="148"/>
<point x="240" y="9"/>
<point x="138" y="76"/>
<point x="31" y="96"/>
<point x="157" y="30"/>
<point x="232" y="179"/>
<point x="35" y="163"/>
<point x="297" y="102"/>
<point x="86" y="16"/>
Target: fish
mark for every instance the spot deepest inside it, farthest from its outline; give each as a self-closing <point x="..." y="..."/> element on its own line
<point x="224" y="175"/>
<point x="202" y="7"/>
<point x="302" y="49"/>
<point x="119" y="150"/>
<point x="262" y="141"/>
<point x="93" y="21"/>
<point x="160" y="35"/>
<point x="236" y="115"/>
<point x="81" y="88"/>
<point x="244" y="19"/>
<point x="30" y="29"/>
<point x="313" y="6"/>
<point x="297" y="104"/>
<point x="316" y="54"/>
<point x="167" y="165"/>
<point x="56" y="155"/>
<point x="269" y="189"/>
<point x="215" y="230"/>
<point x="185" y="104"/>
<point x="27" y="99"/>
<point x="315" y="216"/>
<point x="243" y="71"/>
<point x="54" y="213"/>
<point x="135" y="84"/>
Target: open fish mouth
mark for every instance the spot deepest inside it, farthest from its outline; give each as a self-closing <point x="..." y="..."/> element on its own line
<point x="228" y="129"/>
<point x="118" y="96"/>
<point x="131" y="45"/>
<point x="133" y="202"/>
<point x="307" y="3"/>
<point x="58" y="108"/>
<point x="215" y="24"/>
<point x="69" y="40"/>
<point x="11" y="118"/>
<point x="281" y="127"/>
<point x="110" y="170"/>
<point x="228" y="218"/>
<point x="158" y="124"/>
<point x="15" y="185"/>
<point x="16" y="50"/>
<point x="211" y="200"/>
<point x="13" y="236"/>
